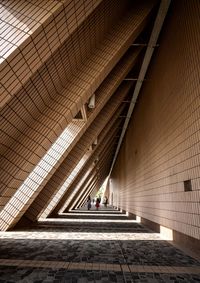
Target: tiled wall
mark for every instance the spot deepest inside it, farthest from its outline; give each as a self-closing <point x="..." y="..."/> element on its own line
<point x="32" y="31"/>
<point x="56" y="182"/>
<point x="46" y="79"/>
<point x="161" y="149"/>
<point x="102" y="94"/>
<point x="78" y="184"/>
<point x="103" y="168"/>
<point x="44" y="100"/>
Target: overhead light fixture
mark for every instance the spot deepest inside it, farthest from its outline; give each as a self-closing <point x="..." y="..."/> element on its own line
<point x="91" y="103"/>
<point x="95" y="142"/>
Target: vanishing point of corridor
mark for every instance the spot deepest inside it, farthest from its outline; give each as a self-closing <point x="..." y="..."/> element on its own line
<point x="93" y="246"/>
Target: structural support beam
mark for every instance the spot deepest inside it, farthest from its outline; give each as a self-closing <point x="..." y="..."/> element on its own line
<point x="162" y="12"/>
<point x="130" y="79"/>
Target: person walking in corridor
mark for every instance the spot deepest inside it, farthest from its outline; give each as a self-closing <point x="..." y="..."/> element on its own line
<point x="97" y="203"/>
<point x="106" y="202"/>
<point x="89" y="203"/>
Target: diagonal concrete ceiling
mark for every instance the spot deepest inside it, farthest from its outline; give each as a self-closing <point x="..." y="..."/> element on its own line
<point x="68" y="70"/>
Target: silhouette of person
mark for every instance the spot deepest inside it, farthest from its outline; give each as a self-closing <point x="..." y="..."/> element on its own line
<point x="89" y="203"/>
<point x="97" y="203"/>
<point x="106" y="201"/>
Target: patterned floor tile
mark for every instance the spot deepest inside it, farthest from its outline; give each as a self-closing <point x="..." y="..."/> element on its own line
<point x="69" y="252"/>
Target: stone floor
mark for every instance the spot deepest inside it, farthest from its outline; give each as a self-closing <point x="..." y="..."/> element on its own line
<point x="92" y="246"/>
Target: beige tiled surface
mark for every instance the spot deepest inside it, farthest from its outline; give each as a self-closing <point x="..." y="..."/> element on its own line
<point x="161" y="147"/>
<point x="49" y="25"/>
<point x="70" y="49"/>
<point x="79" y="150"/>
<point x="102" y="95"/>
<point x="46" y="96"/>
<point x="104" y="152"/>
<point x="106" y="135"/>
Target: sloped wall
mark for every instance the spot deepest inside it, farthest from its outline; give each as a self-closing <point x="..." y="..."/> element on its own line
<point x="161" y="149"/>
<point x="67" y="54"/>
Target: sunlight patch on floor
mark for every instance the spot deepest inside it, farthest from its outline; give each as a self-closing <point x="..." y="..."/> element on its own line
<point x="40" y="235"/>
<point x="166" y="233"/>
<point x="63" y="220"/>
<point x="93" y="214"/>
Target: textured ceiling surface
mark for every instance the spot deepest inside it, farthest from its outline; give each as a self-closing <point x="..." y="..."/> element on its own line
<point x="68" y="70"/>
